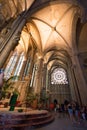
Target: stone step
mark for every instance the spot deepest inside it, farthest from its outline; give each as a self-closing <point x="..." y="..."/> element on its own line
<point x="24" y="120"/>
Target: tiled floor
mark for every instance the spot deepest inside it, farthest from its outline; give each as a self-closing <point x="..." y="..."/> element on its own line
<point x="64" y="123"/>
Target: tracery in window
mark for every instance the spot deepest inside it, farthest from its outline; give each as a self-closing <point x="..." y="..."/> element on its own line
<point x="14" y="65"/>
<point x="10" y="66"/>
<point x="19" y="65"/>
<point x="59" y="76"/>
<point x="26" y="70"/>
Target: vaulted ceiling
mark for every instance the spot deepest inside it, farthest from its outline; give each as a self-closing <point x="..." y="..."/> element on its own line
<point x="49" y="27"/>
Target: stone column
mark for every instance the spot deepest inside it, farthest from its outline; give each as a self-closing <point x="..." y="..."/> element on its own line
<point x="81" y="83"/>
<point x="75" y="95"/>
<point x="38" y="78"/>
<point x="72" y="84"/>
<point x="44" y="76"/>
<point x="10" y="44"/>
<point x="31" y="66"/>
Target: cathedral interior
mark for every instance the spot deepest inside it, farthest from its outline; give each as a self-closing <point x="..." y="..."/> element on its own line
<point x="43" y="46"/>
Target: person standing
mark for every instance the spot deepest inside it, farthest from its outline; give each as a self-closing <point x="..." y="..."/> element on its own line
<point x="70" y="112"/>
<point x="77" y="112"/>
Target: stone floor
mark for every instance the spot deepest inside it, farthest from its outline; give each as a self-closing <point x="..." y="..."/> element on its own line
<point x="64" y="123"/>
<point x="60" y="123"/>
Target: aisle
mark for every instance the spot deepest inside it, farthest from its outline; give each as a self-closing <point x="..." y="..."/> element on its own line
<point x="64" y="123"/>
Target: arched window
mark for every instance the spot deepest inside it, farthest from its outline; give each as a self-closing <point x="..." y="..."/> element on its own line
<point x="14" y="65"/>
<point x="59" y="76"/>
<point x="10" y="66"/>
<point x="19" y="65"/>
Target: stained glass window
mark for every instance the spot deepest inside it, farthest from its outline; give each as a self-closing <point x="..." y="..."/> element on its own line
<point x="10" y="66"/>
<point x="59" y="76"/>
<point x="11" y="69"/>
<point x="19" y="65"/>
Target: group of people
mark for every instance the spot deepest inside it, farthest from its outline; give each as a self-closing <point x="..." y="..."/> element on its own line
<point x="75" y="112"/>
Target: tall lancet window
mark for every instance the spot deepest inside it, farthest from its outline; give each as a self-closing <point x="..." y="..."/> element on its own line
<point x="59" y="76"/>
<point x="19" y="65"/>
<point x="26" y="70"/>
<point x="32" y="78"/>
<point x="10" y="66"/>
<point x="14" y="65"/>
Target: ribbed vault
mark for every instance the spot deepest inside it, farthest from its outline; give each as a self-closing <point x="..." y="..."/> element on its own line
<point x="51" y="27"/>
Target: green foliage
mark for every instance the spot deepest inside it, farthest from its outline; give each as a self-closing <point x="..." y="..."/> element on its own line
<point x="31" y="97"/>
<point x="20" y="110"/>
<point x="8" y="86"/>
<point x="16" y="92"/>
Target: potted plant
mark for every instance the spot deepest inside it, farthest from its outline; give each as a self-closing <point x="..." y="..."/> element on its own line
<point x="44" y="98"/>
<point x="8" y="89"/>
<point x="7" y="86"/>
<point x="32" y="100"/>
